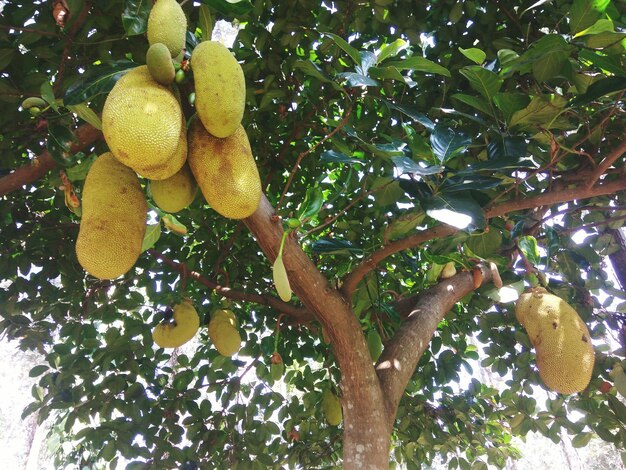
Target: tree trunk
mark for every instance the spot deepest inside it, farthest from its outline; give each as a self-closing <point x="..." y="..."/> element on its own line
<point x="366" y="425"/>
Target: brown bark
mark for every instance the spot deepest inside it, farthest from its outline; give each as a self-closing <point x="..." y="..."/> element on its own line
<point x="86" y="135"/>
<point x="400" y="356"/>
<point x="367" y="427"/>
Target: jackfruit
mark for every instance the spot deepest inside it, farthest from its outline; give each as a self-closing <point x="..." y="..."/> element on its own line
<point x="281" y="281"/>
<point x="223" y="332"/>
<point x="331" y="408"/>
<point x="374" y="344"/>
<point x="159" y="62"/>
<point x="142" y="123"/>
<point x="167" y="24"/>
<point x="185" y="325"/>
<point x="220" y="88"/>
<point x="565" y="356"/>
<point x="225" y="171"/>
<point x="113" y="220"/>
<point x="277" y="366"/>
<point x="175" y="193"/>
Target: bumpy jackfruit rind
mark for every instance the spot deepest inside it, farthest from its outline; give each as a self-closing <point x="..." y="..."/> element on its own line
<point x="565" y="355"/>
<point x="186" y="324"/>
<point x="113" y="220"/>
<point x="220" y="88"/>
<point x="225" y="171"/>
<point x="159" y="62"/>
<point x="142" y="123"/>
<point x="167" y="24"/>
<point x="224" y="336"/>
<point x="331" y="408"/>
<point x="175" y="193"/>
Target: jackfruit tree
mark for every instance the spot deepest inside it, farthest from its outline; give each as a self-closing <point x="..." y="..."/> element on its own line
<point x="379" y="182"/>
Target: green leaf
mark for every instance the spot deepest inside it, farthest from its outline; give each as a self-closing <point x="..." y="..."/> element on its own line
<point x="347" y="48"/>
<point x="485" y="244"/>
<point x="474" y="54"/>
<point x="618" y="408"/>
<point x="368" y="59"/>
<point x="331" y="156"/>
<point x="582" y="439"/>
<point x="599" y="89"/>
<point x="86" y="114"/>
<point x="482" y="80"/>
<point x="6" y="56"/>
<point x="549" y="57"/>
<point x="391" y="50"/>
<point x="135" y="16"/>
<point x="182" y="380"/>
<point x="529" y="247"/>
<point x="405" y="165"/>
<point x="600" y="26"/>
<point x="313" y="202"/>
<point x="503" y="146"/>
<point x="152" y="235"/>
<point x="403" y="225"/>
<point x="79" y="172"/>
<point x="543" y="111"/>
<point x="96" y="81"/>
<point x="419" y="64"/>
<point x="357" y="79"/>
<point x="59" y="144"/>
<point x="328" y="246"/>
<point x="312" y="70"/>
<point x="460" y="212"/>
<point x="473" y="101"/>
<point x="37" y="371"/>
<point x="230" y="7"/>
<point x="584" y="13"/>
<point x="412" y="113"/>
<point x="447" y="142"/>
<point x="173" y="224"/>
<point x="47" y="93"/>
<point x="206" y="22"/>
<point x="386" y="191"/>
<point x="509" y="103"/>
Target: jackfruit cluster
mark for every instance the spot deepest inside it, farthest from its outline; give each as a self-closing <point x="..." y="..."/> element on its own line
<point x="184" y="327"/>
<point x="145" y="128"/>
<point x="223" y="332"/>
<point x="565" y="355"/>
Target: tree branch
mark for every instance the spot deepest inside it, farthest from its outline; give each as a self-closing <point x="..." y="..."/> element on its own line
<point x="86" y="135"/>
<point x="299" y="314"/>
<point x="556" y="196"/>
<point x="400" y="356"/>
<point x="616" y="153"/>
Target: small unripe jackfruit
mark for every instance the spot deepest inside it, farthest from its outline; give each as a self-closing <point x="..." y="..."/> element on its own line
<point x="374" y="344"/>
<point x="142" y="124"/>
<point x="281" y="281"/>
<point x="175" y="193"/>
<point x="185" y="326"/>
<point x="220" y="88"/>
<point x="223" y="332"/>
<point x="113" y="220"/>
<point x="331" y="408"/>
<point x="159" y="62"/>
<point x="225" y="171"/>
<point x="565" y="355"/>
<point x="167" y="24"/>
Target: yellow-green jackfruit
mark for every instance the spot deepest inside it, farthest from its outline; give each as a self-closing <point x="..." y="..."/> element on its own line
<point x="565" y="355"/>
<point x="331" y="408"/>
<point x="223" y="332"/>
<point x="113" y="220"/>
<point x="225" y="171"/>
<point x="220" y="88"/>
<point x="160" y="65"/>
<point x="185" y="326"/>
<point x="175" y="193"/>
<point x="167" y="24"/>
<point x="143" y="125"/>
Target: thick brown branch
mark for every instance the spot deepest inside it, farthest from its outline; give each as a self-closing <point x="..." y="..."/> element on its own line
<point x="547" y="199"/>
<point x="400" y="357"/>
<point x="608" y="161"/>
<point x="86" y="135"/>
<point x="299" y="314"/>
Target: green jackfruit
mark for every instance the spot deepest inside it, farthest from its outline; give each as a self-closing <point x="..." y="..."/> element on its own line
<point x="220" y="88"/>
<point x="225" y="171"/>
<point x="331" y="408"/>
<point x="159" y="62"/>
<point x="167" y="24"/>
<point x="175" y="193"/>
<point x="113" y="220"/>
<point x="226" y="314"/>
<point x="224" y="335"/>
<point x="143" y="125"/>
<point x="565" y="355"/>
<point x="185" y="325"/>
<point x="281" y="281"/>
<point x="374" y="344"/>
